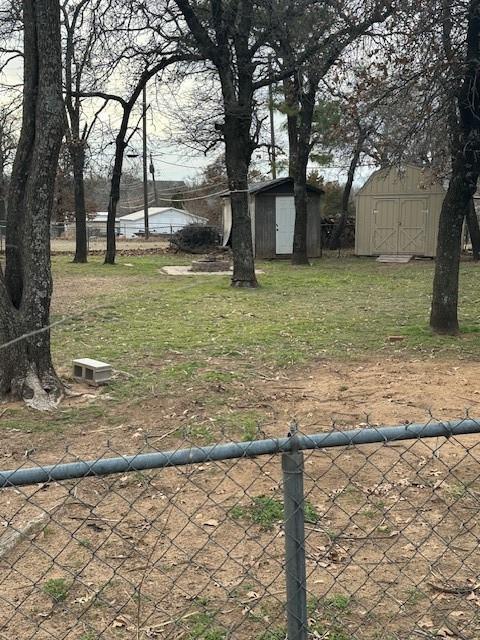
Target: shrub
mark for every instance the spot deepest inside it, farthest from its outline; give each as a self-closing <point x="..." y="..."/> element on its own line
<point x="196" y="238"/>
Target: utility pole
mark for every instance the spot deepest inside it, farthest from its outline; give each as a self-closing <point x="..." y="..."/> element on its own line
<point x="152" y="171"/>
<point x="145" y="168"/>
<point x="273" y="151"/>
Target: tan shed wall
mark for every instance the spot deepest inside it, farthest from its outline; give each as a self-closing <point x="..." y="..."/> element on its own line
<point x="398" y="191"/>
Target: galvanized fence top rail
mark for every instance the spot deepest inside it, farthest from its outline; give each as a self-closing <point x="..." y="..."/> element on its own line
<point x="235" y="450"/>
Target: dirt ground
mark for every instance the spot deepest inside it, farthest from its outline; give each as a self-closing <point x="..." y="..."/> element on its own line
<point x="325" y="395"/>
<point x="392" y="538"/>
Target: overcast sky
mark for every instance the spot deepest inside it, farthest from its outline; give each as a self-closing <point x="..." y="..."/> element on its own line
<point x="171" y="161"/>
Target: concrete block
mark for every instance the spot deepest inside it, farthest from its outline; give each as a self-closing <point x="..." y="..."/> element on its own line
<point x="92" y="371"/>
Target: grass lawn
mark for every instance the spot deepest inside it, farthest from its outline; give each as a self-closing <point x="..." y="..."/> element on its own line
<point x="173" y="335"/>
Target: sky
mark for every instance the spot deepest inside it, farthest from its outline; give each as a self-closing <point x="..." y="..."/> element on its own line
<point x="171" y="161"/>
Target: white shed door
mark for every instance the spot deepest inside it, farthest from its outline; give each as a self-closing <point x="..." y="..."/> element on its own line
<point x="285" y="224"/>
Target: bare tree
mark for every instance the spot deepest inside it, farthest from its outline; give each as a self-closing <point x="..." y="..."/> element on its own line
<point x="141" y="44"/>
<point x="334" y="28"/>
<point x="230" y="35"/>
<point x="361" y="136"/>
<point x="80" y="25"/>
<point x="464" y="138"/>
<point x="26" y="369"/>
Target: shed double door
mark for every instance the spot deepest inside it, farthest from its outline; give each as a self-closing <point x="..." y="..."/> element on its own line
<point x="399" y="225"/>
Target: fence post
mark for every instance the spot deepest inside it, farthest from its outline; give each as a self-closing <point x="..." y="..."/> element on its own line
<point x="295" y="572"/>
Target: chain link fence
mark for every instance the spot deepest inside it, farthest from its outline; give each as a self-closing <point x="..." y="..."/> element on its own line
<point x="63" y="237"/>
<point x="346" y="535"/>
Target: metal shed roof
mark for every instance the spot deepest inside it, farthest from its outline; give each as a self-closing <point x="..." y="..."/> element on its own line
<point x="259" y="187"/>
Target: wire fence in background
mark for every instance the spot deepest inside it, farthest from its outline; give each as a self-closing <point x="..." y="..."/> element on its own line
<point x="63" y="236"/>
<point x="347" y="535"/>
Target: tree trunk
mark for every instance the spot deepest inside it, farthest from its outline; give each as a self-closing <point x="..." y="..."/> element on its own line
<point x="443" y="316"/>
<point x="290" y="92"/>
<point x="335" y="240"/>
<point x="237" y="157"/>
<point x="299" y="253"/>
<point x="120" y="146"/>
<point x="473" y="230"/>
<point x="77" y="152"/>
<point x="298" y="153"/>
<point x="301" y="105"/>
<point x="3" y="209"/>
<point x="26" y="369"/>
<point x="464" y="133"/>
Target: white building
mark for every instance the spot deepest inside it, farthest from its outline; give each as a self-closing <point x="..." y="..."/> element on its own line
<point x="161" y="220"/>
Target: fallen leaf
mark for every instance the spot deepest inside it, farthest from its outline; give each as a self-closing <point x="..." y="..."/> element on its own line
<point x="211" y="523"/>
<point x="425" y="623"/>
<point x="445" y="632"/>
<point x="86" y="598"/>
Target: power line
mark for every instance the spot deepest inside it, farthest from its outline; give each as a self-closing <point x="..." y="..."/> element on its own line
<point x="185" y="189"/>
<point x="210" y="195"/>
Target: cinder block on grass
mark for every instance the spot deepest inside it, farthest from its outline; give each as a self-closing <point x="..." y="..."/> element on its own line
<point x="92" y="371"/>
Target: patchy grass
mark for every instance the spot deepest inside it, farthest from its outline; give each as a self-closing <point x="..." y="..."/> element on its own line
<point x="57" y="589"/>
<point x="267" y="511"/>
<point x="277" y="633"/>
<point x="180" y="335"/>
<point x="202" y="626"/>
<point x="325" y="616"/>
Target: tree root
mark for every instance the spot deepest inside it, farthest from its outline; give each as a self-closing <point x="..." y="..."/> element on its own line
<point x="42" y="395"/>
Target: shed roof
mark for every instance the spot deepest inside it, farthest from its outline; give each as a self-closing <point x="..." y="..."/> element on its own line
<point x="269" y="185"/>
<point x="259" y="187"/>
<point x="410" y="178"/>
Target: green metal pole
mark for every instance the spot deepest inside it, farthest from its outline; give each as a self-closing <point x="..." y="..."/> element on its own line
<point x="295" y="571"/>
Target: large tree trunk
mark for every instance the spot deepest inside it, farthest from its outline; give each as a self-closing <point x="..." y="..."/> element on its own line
<point x="473" y="230"/>
<point x="464" y="133"/>
<point x="77" y="153"/>
<point x="3" y="208"/>
<point x="443" y="316"/>
<point x="237" y="158"/>
<point x="26" y="369"/>
<point x="299" y="253"/>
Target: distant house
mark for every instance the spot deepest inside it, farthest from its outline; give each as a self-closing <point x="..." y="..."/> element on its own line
<point x="272" y="210"/>
<point x="397" y="212"/>
<point x="161" y="220"/>
<point x="97" y="226"/>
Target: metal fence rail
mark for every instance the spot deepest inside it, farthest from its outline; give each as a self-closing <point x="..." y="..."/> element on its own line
<point x="365" y="534"/>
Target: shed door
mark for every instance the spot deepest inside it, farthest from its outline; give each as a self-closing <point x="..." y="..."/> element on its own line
<point x="384" y="226"/>
<point x="285" y="224"/>
<point x="412" y="223"/>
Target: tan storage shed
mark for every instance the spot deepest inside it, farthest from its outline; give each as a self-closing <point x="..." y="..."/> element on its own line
<point x="397" y="213"/>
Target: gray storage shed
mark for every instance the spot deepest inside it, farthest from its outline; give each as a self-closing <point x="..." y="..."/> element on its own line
<point x="272" y="210"/>
<point x="397" y="212"/>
